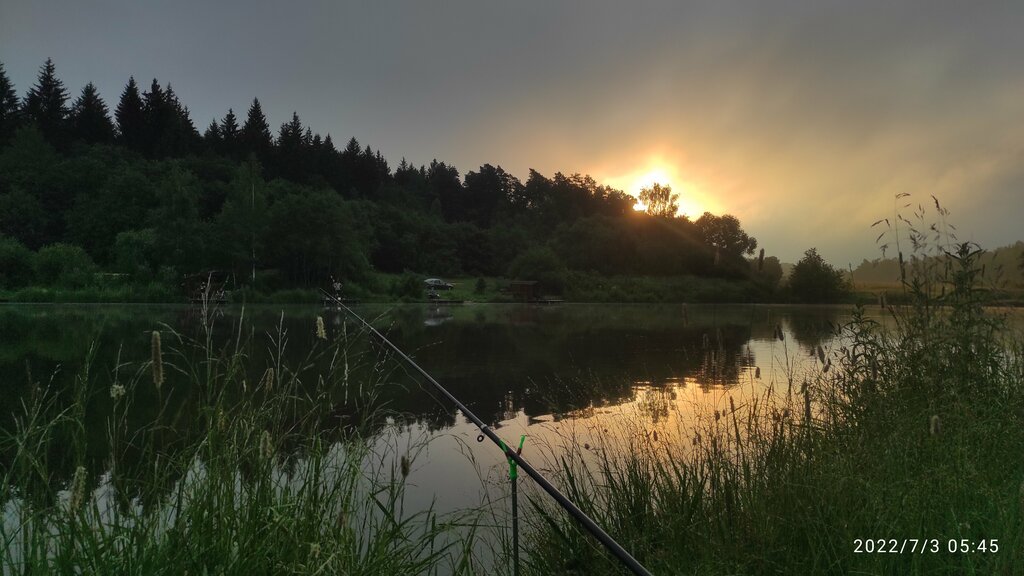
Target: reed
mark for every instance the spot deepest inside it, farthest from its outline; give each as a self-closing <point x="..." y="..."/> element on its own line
<point x="253" y="483"/>
<point x="789" y="485"/>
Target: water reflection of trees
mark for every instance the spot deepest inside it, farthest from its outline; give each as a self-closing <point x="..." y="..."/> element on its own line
<point x="501" y="361"/>
<point x="813" y="328"/>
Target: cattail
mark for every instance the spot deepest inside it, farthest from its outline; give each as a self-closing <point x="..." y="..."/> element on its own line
<point x="405" y="467"/>
<point x="807" y="409"/>
<point x="757" y="373"/>
<point x="266" y="445"/>
<point x="157" y="359"/>
<point x="586" y="445"/>
<point x="934" y="425"/>
<point x="78" y="488"/>
<point x="116" y="391"/>
<point x="821" y="355"/>
<point x="321" y="332"/>
<point x="655" y="435"/>
<point x="778" y="332"/>
<point x="827" y="365"/>
<point x="718" y="415"/>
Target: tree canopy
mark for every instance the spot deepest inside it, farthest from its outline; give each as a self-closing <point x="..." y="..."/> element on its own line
<point x="145" y="194"/>
<point x="814" y="280"/>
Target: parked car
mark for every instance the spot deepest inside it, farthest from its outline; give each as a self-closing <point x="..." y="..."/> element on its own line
<point x="436" y="284"/>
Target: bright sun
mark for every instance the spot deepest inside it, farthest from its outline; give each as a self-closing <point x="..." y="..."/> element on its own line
<point x="665" y="176"/>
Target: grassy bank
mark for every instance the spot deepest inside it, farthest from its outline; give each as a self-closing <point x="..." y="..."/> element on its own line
<point x="379" y="287"/>
<point x="906" y="434"/>
<point x="275" y="474"/>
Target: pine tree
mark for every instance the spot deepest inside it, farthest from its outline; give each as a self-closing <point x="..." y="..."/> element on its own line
<point x="229" y="134"/>
<point x="131" y="117"/>
<point x="8" y="106"/>
<point x="90" y="118"/>
<point x="291" y="149"/>
<point x="290" y="135"/>
<point x="212" y="137"/>
<point x="255" y="137"/>
<point x="183" y="136"/>
<point x="46" y="104"/>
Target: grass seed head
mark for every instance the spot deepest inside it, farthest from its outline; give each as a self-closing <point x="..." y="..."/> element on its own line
<point x="78" y="488"/>
<point x="266" y="445"/>
<point x="157" y="359"/>
<point x="321" y="331"/>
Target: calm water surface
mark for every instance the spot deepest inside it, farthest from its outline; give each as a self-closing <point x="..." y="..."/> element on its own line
<point x="566" y="376"/>
<point x="527" y="369"/>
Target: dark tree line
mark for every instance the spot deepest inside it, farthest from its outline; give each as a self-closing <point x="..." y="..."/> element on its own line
<point x="138" y="190"/>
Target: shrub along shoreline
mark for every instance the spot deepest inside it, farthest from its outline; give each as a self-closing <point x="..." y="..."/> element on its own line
<point x="901" y="455"/>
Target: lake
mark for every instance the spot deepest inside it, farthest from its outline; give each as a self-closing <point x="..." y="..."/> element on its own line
<point x="570" y="377"/>
<point x="523" y="369"/>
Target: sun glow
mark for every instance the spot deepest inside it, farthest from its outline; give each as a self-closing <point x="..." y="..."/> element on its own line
<point x="690" y="203"/>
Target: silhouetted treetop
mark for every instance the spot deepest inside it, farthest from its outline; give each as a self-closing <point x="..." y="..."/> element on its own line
<point x="660" y="201"/>
<point x="46" y="104"/>
<point x="255" y="137"/>
<point x="90" y="118"/>
<point x="8" y="106"/>
<point x="131" y="117"/>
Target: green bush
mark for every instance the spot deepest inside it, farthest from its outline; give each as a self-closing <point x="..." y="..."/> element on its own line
<point x="543" y="265"/>
<point x="15" y="264"/>
<point x="64" y="265"/>
<point x="407" y="286"/>
<point x="134" y="253"/>
<point x="814" y="280"/>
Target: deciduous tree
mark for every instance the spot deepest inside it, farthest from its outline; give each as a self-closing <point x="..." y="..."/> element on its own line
<point x="660" y="201"/>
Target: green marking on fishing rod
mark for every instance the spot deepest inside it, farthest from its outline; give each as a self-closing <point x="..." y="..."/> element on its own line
<point x="513" y="468"/>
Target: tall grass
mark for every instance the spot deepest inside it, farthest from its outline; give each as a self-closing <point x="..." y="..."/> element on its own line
<point x="911" y="432"/>
<point x="235" y="474"/>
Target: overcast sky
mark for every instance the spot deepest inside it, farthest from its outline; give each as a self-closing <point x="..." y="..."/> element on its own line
<point x="803" y="119"/>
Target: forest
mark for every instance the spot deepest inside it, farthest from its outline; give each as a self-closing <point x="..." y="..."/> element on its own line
<point x="137" y="194"/>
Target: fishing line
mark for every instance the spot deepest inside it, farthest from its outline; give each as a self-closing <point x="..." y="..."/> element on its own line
<point x="609" y="543"/>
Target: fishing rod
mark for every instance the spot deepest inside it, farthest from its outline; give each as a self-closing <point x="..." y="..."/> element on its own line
<point x="513" y="456"/>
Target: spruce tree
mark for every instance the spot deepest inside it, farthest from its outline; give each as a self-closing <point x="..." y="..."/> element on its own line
<point x="290" y="135"/>
<point x="8" y="106"/>
<point x="255" y="136"/>
<point x="212" y="137"/>
<point x="183" y="136"/>
<point x="229" y="134"/>
<point x="46" y="104"/>
<point x="291" y="150"/>
<point x="131" y="117"/>
<point x="90" y="118"/>
<point x="154" y="107"/>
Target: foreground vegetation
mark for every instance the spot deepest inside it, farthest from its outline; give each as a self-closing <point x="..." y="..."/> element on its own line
<point x="252" y="474"/>
<point x="903" y="438"/>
